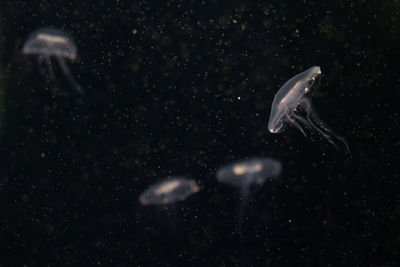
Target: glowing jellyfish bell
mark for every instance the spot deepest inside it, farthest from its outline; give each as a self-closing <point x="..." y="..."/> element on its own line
<point x="47" y="43"/>
<point x="169" y="191"/>
<point x="164" y="196"/>
<point x="246" y="174"/>
<point x="291" y="97"/>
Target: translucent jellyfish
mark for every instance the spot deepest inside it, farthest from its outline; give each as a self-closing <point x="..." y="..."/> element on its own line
<point x="47" y="43"/>
<point x="290" y="98"/>
<point x="163" y="196"/>
<point x="169" y="191"/>
<point x="247" y="174"/>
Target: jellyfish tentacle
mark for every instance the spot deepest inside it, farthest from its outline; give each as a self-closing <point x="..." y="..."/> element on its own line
<point x="318" y="124"/>
<point x="42" y="69"/>
<point x="309" y="123"/>
<point x="303" y="121"/>
<point x="40" y="60"/>
<point x="74" y="84"/>
<point x="49" y="65"/>
<point x="244" y="201"/>
<point x="326" y="136"/>
<point x="295" y="123"/>
<point x="308" y="107"/>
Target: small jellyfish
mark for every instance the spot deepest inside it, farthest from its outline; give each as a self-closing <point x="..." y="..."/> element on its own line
<point x="47" y="43"/>
<point x="290" y="98"/>
<point x="164" y="195"/>
<point x="169" y="191"/>
<point x="247" y="174"/>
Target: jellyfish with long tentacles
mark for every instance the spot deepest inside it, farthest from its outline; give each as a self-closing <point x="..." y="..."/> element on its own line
<point x="248" y="175"/>
<point x="47" y="43"/>
<point x="290" y="98"/>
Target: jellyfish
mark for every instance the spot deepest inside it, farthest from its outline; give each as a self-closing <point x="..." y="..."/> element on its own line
<point x="164" y="195"/>
<point x="169" y="191"/>
<point x="288" y="101"/>
<point x="47" y="43"/>
<point x="248" y="175"/>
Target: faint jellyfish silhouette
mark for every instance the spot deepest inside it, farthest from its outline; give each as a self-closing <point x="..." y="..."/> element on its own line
<point x="292" y="96"/>
<point x="165" y="194"/>
<point x="46" y="43"/>
<point x="169" y="191"/>
<point x="246" y="175"/>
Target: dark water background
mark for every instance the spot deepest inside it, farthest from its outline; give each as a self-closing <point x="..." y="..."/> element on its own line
<point x="181" y="88"/>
